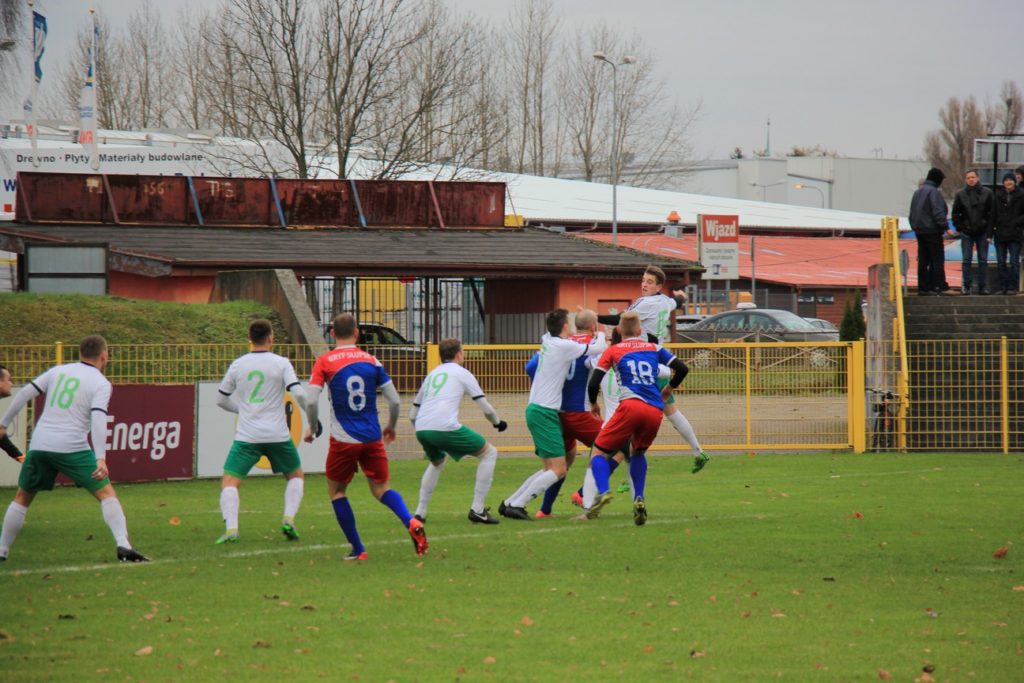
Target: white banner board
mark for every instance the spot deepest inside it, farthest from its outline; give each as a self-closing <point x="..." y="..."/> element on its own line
<point x="18" y="431"/>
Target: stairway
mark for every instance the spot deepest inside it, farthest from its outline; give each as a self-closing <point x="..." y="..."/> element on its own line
<point x="953" y="344"/>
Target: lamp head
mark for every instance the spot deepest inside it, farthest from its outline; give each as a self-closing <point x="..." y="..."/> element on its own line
<point x="600" y="56"/>
<point x="628" y="59"/>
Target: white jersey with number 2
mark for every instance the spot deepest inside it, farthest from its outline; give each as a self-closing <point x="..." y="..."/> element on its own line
<point x="258" y="381"/>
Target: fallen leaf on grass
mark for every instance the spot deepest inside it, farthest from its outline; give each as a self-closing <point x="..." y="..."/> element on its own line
<point x="6" y="637"/>
<point x="143" y="651"/>
<point x="66" y="617"/>
<point x="490" y="659"/>
<point x="858" y="515"/>
<point x="697" y="654"/>
<point x="261" y="645"/>
<point x="527" y="621"/>
<point x="924" y="678"/>
<point x="216" y="653"/>
<point x="1001" y="553"/>
<point x="648" y="648"/>
<point x="884" y="675"/>
<point x="1018" y="589"/>
<point x="174" y="521"/>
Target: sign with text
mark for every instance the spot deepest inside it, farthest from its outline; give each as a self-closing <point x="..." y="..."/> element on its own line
<point x="718" y="241"/>
<point x="216" y="431"/>
<point x="150" y="432"/>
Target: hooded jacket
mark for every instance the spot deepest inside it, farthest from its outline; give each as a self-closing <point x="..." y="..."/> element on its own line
<point x="1008" y="222"/>
<point x="928" y="208"/>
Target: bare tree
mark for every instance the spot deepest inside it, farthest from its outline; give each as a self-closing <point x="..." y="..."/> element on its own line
<point x="1007" y="116"/>
<point x="951" y="148"/>
<point x="532" y="28"/>
<point x="113" y="101"/>
<point x="192" y="63"/>
<point x="145" y="86"/>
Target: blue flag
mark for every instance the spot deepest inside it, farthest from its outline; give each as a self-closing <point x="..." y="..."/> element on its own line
<point x="38" y="42"/>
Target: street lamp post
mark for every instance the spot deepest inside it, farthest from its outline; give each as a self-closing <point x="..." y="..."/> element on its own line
<point x="764" y="188"/>
<point x="628" y="59"/>
<point x="801" y="186"/>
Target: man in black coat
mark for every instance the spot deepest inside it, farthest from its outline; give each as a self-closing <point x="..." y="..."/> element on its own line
<point x="928" y="220"/>
<point x="1008" y="232"/>
<point x="972" y="217"/>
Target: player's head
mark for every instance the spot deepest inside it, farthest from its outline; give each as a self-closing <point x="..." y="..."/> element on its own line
<point x="586" y="321"/>
<point x="629" y="324"/>
<point x="556" y="321"/>
<point x="344" y="326"/>
<point x="449" y="348"/>
<point x="261" y="332"/>
<point x="93" y="349"/>
<point x="5" y="382"/>
<point x="653" y="279"/>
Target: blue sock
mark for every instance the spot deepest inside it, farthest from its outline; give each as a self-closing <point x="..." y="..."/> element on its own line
<point x="612" y="466"/>
<point x="602" y="472"/>
<point x="550" y="495"/>
<point x="347" y="522"/>
<point x="638" y="472"/>
<point x="393" y="499"/>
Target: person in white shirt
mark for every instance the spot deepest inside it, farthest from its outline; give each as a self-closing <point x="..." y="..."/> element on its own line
<point x="435" y="417"/>
<point x="655" y="311"/>
<point x="253" y="388"/>
<point x="77" y="399"/>
<point x="557" y="354"/>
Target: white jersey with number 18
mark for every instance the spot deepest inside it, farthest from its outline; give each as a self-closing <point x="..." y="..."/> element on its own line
<point x="73" y="391"/>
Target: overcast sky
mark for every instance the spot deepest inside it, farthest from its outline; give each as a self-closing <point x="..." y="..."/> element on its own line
<point x="863" y="77"/>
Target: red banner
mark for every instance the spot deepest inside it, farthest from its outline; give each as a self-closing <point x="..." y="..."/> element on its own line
<point x="150" y="433"/>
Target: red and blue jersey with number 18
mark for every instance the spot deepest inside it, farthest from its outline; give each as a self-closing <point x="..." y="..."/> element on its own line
<point x="352" y="377"/>
<point x="636" y="360"/>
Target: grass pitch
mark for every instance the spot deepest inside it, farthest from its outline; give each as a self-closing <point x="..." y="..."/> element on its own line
<point x="793" y="567"/>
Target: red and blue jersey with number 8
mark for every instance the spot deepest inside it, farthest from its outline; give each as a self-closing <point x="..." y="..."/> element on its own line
<point x="352" y="377"/>
<point x="636" y="360"/>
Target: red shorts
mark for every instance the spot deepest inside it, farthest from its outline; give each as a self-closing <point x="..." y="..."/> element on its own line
<point x="633" y="419"/>
<point x="342" y="459"/>
<point x="579" y="426"/>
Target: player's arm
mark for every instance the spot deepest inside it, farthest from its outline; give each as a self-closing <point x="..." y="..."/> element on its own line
<point x="532" y="364"/>
<point x="314" y="428"/>
<point x="679" y="372"/>
<point x="225" y="390"/>
<point x="98" y="414"/>
<point x="226" y="402"/>
<point x="416" y="402"/>
<point x="394" y="409"/>
<point x="593" y="388"/>
<point x="20" y="400"/>
<point x="609" y="318"/>
<point x="10" y="448"/>
<point x="680" y="297"/>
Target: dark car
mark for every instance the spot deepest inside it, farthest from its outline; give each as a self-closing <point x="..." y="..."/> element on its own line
<point x="405" y="362"/>
<point x="755" y="324"/>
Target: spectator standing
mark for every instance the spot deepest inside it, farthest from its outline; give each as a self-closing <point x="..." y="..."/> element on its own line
<point x="1007" y="232"/>
<point x="972" y="217"/>
<point x="928" y="220"/>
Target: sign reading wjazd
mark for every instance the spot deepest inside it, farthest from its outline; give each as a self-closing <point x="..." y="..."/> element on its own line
<point x="718" y="240"/>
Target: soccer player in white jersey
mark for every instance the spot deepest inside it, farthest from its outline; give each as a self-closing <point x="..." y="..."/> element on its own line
<point x="435" y="417"/>
<point x="77" y="397"/>
<point x="6" y="445"/>
<point x="557" y="354"/>
<point x="253" y="388"/>
<point x="655" y="311"/>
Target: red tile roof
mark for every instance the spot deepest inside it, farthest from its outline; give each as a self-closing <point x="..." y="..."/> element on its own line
<point x="799" y="261"/>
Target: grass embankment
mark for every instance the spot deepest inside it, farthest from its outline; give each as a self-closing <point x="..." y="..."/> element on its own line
<point x="49" y="318"/>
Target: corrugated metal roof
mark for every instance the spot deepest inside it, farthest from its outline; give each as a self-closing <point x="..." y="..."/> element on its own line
<point x="506" y="252"/>
<point x="799" y="261"/>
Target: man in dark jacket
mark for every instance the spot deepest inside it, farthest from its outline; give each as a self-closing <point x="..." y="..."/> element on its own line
<point x="1008" y="231"/>
<point x="972" y="217"/>
<point x="928" y="220"/>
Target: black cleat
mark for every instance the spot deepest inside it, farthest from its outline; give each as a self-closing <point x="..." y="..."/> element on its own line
<point x="482" y="518"/>
<point x="639" y="512"/>
<point x="130" y="555"/>
<point x="423" y="520"/>
<point x="514" y="513"/>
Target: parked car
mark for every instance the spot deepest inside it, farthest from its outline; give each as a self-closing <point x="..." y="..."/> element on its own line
<point x="687" y="320"/>
<point x="405" y="362"/>
<point x="823" y="324"/>
<point x="755" y="324"/>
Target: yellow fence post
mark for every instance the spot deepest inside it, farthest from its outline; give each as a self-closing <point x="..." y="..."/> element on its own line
<point x="433" y="356"/>
<point x="58" y="353"/>
<point x="855" y="387"/>
<point x="747" y="380"/>
<point x="1004" y="393"/>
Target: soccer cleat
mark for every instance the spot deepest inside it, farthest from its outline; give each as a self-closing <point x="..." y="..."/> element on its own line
<point x="357" y="557"/>
<point x="599" y="503"/>
<point x="639" y="512"/>
<point x="227" y="537"/>
<point x="540" y="514"/>
<point x="501" y="508"/>
<point x="288" y="529"/>
<point x="130" y="555"/>
<point x="419" y="536"/>
<point x="423" y="520"/>
<point x="482" y="518"/>
<point x="515" y="513"/>
<point x="623" y="487"/>
<point x="577" y="499"/>
<point x="699" y="461"/>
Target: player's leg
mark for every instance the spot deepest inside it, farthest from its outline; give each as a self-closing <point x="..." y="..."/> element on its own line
<point x="284" y="459"/>
<point x="546" y="429"/>
<point x="374" y="463"/>
<point x="645" y="428"/>
<point x="241" y="458"/>
<point x="428" y="482"/>
<point x="552" y="491"/>
<point x="478" y="514"/>
<point x="14" y="520"/>
<point x="113" y="515"/>
<point x="341" y="467"/>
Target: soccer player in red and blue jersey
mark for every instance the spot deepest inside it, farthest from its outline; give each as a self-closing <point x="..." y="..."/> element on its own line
<point x="353" y="378"/>
<point x="638" y="416"/>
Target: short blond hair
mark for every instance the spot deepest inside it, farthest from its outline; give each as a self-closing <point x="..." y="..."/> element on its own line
<point x="629" y="324"/>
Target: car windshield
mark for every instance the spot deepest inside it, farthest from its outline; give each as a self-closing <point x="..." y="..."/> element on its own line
<point x="791" y="321"/>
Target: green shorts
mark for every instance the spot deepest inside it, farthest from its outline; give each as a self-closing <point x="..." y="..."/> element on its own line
<point x="462" y="441"/>
<point x="662" y="382"/>
<point x="546" y="429"/>
<point x="40" y="469"/>
<point x="283" y="456"/>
